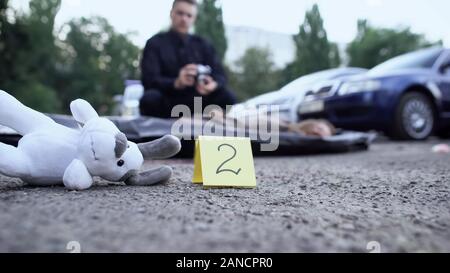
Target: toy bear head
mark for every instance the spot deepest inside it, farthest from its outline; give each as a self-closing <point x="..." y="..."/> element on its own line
<point x="106" y="152"/>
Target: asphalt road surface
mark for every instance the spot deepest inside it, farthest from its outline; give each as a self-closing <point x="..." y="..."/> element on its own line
<point x="395" y="196"/>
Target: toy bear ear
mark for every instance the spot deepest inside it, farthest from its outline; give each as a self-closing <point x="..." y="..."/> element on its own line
<point x="82" y="111"/>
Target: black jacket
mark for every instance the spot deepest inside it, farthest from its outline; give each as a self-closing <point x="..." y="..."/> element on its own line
<point x="167" y="53"/>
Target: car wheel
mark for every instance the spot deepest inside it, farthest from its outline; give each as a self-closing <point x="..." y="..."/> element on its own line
<point x="414" y="118"/>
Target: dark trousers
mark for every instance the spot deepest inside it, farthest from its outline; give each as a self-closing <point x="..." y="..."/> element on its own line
<point x="155" y="103"/>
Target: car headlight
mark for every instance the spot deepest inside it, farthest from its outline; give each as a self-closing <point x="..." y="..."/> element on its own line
<point x="359" y="86"/>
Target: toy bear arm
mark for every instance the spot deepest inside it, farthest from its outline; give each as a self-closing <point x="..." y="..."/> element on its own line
<point x="77" y="176"/>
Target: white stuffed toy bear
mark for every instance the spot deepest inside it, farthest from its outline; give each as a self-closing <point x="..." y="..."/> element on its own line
<point x="52" y="154"/>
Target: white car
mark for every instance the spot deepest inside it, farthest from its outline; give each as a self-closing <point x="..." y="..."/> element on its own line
<point x="289" y="98"/>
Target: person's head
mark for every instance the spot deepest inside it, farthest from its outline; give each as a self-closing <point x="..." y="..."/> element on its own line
<point x="183" y="15"/>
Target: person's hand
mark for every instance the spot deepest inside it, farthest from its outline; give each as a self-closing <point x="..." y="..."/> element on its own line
<point x="186" y="77"/>
<point x="321" y="130"/>
<point x="318" y="128"/>
<point x="207" y="86"/>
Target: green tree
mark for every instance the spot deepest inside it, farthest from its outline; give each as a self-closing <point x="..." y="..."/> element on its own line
<point x="9" y="39"/>
<point x="38" y="96"/>
<point x="28" y="54"/>
<point x="335" y="56"/>
<point x="256" y="73"/>
<point x="97" y="62"/>
<point x="42" y="46"/>
<point x="46" y="72"/>
<point x="210" y="26"/>
<point x="313" y="50"/>
<point x="373" y="46"/>
<point x="13" y="42"/>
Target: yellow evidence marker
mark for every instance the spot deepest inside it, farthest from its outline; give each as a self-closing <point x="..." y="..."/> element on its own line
<point x="224" y="162"/>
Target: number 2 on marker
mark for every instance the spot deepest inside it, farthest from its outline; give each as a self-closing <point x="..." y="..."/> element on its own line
<point x="219" y="169"/>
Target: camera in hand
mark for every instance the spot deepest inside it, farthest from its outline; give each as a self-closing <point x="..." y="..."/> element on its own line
<point x="202" y="72"/>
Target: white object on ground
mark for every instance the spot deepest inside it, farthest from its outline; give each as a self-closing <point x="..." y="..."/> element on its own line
<point x="51" y="154"/>
<point x="441" y="149"/>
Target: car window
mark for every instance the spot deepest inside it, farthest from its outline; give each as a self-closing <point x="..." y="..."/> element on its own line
<point x="420" y="59"/>
<point x="307" y="81"/>
<point x="447" y="72"/>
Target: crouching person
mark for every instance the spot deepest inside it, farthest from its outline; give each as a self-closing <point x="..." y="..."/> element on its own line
<point x="177" y="66"/>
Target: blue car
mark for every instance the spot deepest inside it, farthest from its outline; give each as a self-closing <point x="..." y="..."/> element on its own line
<point x="407" y="97"/>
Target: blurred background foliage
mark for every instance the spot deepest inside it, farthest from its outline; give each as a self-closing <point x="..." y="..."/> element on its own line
<point x="374" y="45"/>
<point x="46" y="67"/>
<point x="210" y="26"/>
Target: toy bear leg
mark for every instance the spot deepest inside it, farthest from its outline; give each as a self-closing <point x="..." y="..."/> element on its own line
<point x="15" y="115"/>
<point x="13" y="162"/>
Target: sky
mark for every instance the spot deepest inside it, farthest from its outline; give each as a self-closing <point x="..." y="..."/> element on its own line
<point x="144" y="18"/>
